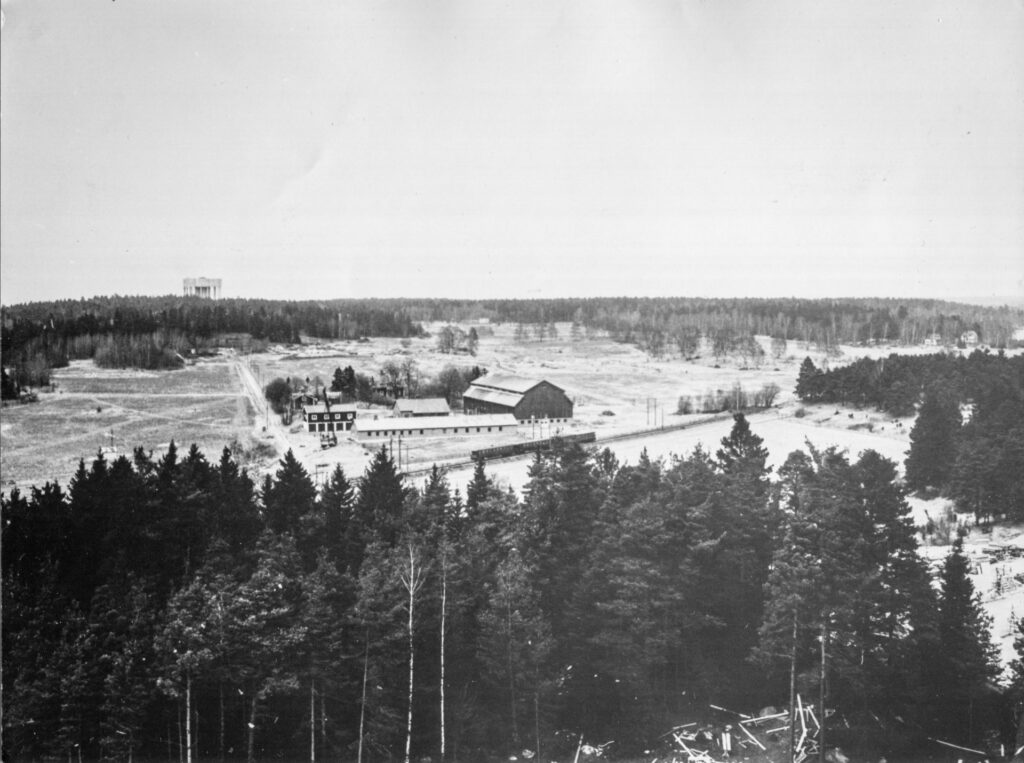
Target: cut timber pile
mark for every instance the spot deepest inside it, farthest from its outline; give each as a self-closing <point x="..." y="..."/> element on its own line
<point x="714" y="744"/>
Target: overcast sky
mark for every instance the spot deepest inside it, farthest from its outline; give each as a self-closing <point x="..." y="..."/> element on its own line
<point x="343" y="148"/>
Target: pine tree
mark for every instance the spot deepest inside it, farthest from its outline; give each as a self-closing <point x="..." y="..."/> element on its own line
<point x="742" y="449"/>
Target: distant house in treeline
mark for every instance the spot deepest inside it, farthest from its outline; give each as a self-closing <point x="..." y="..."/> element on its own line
<point x="524" y="398"/>
<point x="392" y="390"/>
<point x="969" y="338"/>
<point x="427" y="406"/>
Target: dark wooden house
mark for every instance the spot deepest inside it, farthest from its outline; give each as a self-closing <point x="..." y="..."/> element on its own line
<point x="321" y="417"/>
<point x="526" y="399"/>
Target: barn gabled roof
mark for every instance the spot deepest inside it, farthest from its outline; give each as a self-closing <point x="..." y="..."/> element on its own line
<point x="496" y="396"/>
<point x="508" y="383"/>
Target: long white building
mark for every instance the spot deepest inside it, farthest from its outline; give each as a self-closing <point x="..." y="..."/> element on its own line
<point x="434" y="426"/>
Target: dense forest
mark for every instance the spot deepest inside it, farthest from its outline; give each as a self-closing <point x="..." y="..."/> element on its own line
<point x="659" y="323"/>
<point x="155" y="332"/>
<point x="161" y="606"/>
<point x="968" y="438"/>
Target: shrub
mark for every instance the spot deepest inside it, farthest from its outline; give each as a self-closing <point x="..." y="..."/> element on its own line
<point x="278" y="394"/>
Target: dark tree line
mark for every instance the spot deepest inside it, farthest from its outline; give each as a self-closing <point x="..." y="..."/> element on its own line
<point x="150" y="332"/>
<point x="659" y="322"/>
<point x="895" y="384"/>
<point x="975" y="456"/>
<point x="172" y="606"/>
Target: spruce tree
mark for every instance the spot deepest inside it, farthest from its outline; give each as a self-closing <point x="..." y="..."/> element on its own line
<point x="968" y="658"/>
<point x="336" y="501"/>
<point x="379" y="507"/>
<point x="809" y="382"/>
<point x="289" y="497"/>
<point x="478" y="488"/>
<point x="933" y="441"/>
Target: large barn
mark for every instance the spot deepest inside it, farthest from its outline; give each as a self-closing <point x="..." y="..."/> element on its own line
<point x="524" y="398"/>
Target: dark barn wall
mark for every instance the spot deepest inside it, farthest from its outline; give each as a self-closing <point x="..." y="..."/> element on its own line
<point x="544" y="401"/>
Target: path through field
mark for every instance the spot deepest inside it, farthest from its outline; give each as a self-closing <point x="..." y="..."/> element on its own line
<point x="268" y="424"/>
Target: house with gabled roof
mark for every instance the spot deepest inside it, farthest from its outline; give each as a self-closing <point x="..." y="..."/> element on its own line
<point x="324" y="417"/>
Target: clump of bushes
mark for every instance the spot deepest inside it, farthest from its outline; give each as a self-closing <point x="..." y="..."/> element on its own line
<point x="735" y="399"/>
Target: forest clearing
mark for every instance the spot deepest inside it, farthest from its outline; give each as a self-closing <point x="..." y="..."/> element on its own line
<point x="618" y="389"/>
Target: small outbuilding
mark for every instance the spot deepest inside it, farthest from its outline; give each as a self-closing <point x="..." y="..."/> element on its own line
<point x="524" y="398"/>
<point x="426" y="406"/>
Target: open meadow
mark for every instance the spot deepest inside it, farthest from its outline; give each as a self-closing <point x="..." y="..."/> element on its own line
<point x="618" y="391"/>
<point x="93" y="409"/>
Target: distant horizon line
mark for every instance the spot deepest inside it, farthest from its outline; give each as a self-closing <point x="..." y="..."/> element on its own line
<point x="993" y="301"/>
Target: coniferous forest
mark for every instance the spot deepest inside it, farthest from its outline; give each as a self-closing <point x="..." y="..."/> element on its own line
<point x="155" y="607"/>
<point x="968" y="438"/>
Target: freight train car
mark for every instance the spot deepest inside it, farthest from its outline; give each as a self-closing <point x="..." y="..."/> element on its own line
<point x="533" y="446"/>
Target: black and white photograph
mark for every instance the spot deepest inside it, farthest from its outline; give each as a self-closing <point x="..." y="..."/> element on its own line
<point x="512" y="381"/>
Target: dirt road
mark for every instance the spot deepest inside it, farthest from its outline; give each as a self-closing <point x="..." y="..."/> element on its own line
<point x="268" y="424"/>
